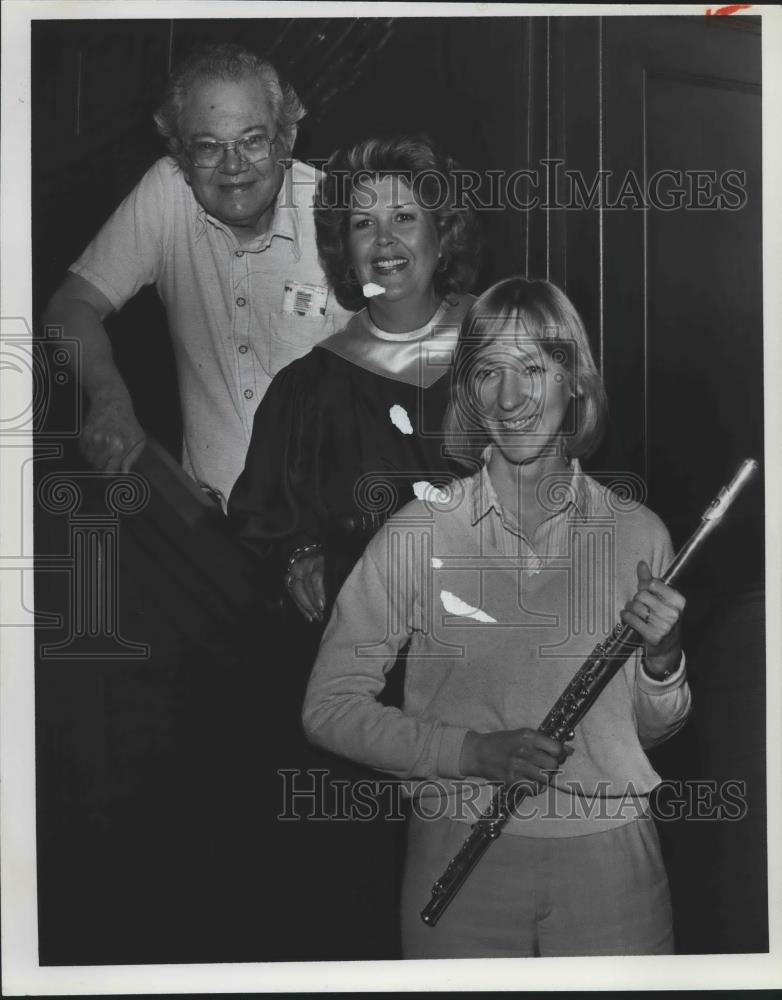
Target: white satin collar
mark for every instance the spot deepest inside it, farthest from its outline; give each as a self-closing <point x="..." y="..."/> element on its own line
<point x="419" y="357"/>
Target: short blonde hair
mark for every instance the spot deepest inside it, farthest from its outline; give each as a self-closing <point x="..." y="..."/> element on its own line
<point x="546" y="315"/>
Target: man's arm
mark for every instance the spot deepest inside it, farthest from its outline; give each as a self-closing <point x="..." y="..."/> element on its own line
<point x="112" y="438"/>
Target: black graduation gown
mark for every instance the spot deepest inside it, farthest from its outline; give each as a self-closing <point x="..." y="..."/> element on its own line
<point x="339" y="440"/>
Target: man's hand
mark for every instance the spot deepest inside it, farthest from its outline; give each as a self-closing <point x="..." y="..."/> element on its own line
<point x="112" y="438"/>
<point x="511" y="755"/>
<point x="655" y="612"/>
<point x="305" y="585"/>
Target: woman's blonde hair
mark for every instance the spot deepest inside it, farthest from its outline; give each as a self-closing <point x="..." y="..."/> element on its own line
<point x="542" y="313"/>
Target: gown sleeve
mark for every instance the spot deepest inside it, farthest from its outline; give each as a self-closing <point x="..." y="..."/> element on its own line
<point x="274" y="506"/>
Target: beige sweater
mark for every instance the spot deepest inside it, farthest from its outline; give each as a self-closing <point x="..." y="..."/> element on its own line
<point x="498" y="624"/>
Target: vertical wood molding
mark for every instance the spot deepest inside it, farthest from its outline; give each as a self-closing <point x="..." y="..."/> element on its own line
<point x="645" y="277"/>
<point x="562" y="141"/>
<point x="600" y="165"/>
<point x="79" y="67"/>
<point x="548" y="146"/>
<point x="530" y="79"/>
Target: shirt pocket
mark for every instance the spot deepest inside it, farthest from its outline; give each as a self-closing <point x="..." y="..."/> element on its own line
<point x="292" y="337"/>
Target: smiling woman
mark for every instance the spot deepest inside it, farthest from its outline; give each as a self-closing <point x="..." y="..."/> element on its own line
<point x="393" y="241"/>
<point x="377" y="196"/>
<point x="344" y="437"/>
<point x="526" y="382"/>
<point x="387" y="217"/>
<point x="506" y="580"/>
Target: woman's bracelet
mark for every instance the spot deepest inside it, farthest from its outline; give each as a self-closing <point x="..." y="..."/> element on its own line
<point x="299" y="553"/>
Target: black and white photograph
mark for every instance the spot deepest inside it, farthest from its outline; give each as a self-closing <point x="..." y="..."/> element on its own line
<point x="390" y="540"/>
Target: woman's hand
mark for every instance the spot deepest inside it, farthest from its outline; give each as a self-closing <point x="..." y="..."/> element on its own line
<point x="304" y="582"/>
<point x="511" y="755"/>
<point x="655" y="612"/>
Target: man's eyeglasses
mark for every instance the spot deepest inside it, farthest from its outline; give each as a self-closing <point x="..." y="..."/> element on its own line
<point x="209" y="153"/>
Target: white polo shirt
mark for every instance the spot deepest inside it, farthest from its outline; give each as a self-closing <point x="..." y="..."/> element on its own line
<point x="237" y="313"/>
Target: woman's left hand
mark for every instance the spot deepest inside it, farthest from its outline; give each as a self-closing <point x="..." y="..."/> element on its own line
<point x="655" y="612"/>
<point x="305" y="584"/>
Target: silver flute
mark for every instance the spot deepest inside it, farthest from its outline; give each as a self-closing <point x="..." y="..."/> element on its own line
<point x="570" y="708"/>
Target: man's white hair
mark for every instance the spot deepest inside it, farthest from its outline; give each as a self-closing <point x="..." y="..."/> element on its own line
<point x="226" y="61"/>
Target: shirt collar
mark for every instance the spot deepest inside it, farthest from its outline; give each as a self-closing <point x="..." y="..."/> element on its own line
<point x="285" y="222"/>
<point x="563" y="494"/>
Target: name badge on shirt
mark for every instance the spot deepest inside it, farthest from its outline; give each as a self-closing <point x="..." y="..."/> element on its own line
<point x="304" y="300"/>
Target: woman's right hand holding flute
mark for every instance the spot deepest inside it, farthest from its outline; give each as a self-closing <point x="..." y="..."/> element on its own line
<point x="512" y="755"/>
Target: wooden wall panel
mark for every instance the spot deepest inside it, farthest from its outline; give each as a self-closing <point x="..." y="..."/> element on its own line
<point x="579" y="53"/>
<point x="95" y="81"/>
<point x="673" y="301"/>
<point x="667" y="296"/>
<point x="649" y="127"/>
<point x="703" y="294"/>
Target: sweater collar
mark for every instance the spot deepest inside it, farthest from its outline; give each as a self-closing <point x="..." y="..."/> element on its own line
<point x="568" y="489"/>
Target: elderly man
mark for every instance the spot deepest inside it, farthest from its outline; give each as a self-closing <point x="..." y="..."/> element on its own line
<point x="223" y="227"/>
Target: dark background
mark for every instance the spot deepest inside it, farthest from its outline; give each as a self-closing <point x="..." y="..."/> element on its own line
<point x="672" y="300"/>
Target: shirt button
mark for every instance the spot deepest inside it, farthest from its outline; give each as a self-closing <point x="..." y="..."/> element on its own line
<point x="241" y="302"/>
<point x="239" y="253"/>
<point x="248" y="394"/>
<point x="243" y="348"/>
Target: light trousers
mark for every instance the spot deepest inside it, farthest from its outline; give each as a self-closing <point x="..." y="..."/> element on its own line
<point x="600" y="894"/>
